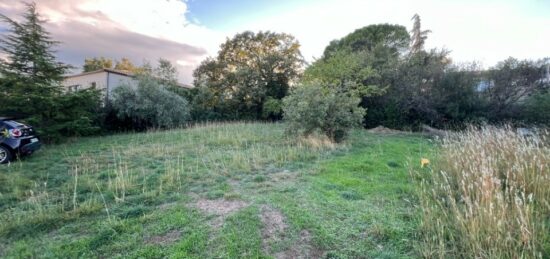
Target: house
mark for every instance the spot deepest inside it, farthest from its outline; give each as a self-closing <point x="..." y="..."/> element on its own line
<point x="103" y="79"/>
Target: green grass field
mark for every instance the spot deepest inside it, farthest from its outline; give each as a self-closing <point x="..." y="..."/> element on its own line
<point x="241" y="190"/>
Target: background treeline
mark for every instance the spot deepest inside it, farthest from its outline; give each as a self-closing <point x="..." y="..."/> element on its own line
<point x="413" y="86"/>
<point x="377" y="75"/>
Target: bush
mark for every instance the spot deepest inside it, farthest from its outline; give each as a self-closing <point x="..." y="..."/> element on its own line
<point x="66" y="115"/>
<point x="311" y="108"/>
<point x="536" y="109"/>
<point x="150" y="105"/>
<point x="272" y="109"/>
<point x="488" y="197"/>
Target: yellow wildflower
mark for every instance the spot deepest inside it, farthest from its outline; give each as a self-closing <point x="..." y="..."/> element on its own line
<point x="424" y="162"/>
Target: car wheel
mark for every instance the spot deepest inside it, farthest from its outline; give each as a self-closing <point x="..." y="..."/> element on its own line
<point x="5" y="155"/>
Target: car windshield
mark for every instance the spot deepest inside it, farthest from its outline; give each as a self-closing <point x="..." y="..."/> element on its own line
<point x="14" y="124"/>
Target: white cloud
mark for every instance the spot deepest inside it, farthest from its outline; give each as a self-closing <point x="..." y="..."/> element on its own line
<point x="113" y="28"/>
<point x="486" y="31"/>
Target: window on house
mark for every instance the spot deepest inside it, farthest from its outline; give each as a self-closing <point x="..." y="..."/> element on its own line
<point x="93" y="85"/>
<point x="74" y="88"/>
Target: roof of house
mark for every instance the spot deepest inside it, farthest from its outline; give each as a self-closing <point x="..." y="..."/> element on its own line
<point x="114" y="71"/>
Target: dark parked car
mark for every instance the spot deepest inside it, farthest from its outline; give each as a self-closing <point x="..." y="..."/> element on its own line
<point x="16" y="139"/>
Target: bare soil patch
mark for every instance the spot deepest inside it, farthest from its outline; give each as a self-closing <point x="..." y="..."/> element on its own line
<point x="301" y="249"/>
<point x="283" y="176"/>
<point x="220" y="207"/>
<point x="273" y="226"/>
<point x="384" y="130"/>
<point x="164" y="239"/>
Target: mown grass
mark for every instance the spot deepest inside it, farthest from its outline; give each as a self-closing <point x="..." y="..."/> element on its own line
<point x="111" y="196"/>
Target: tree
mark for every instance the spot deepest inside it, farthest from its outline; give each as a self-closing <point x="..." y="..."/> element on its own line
<point x="418" y="36"/>
<point x="166" y="72"/>
<point x="380" y="46"/>
<point x="363" y="62"/>
<point x="93" y="64"/>
<point x="537" y="107"/>
<point x="250" y="68"/>
<point x="346" y="72"/>
<point x="316" y="108"/>
<point x="31" y="82"/>
<point x="126" y="65"/>
<point x="31" y="77"/>
<point x="510" y="83"/>
<point x="150" y="105"/>
<point x="371" y="38"/>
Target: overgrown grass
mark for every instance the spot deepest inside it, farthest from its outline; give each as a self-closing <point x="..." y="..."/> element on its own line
<point x="488" y="197"/>
<point x="134" y="195"/>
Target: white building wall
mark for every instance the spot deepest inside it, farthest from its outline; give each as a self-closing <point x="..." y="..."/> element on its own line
<point x="86" y="81"/>
<point x="116" y="80"/>
<point x="105" y="81"/>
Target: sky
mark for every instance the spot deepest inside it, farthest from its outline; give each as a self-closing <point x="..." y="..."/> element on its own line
<point x="188" y="31"/>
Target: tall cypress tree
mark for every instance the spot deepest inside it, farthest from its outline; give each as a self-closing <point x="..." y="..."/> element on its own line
<point x="30" y="77"/>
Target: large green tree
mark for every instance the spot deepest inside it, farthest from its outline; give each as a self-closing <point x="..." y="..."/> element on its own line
<point x="510" y="83"/>
<point x="31" y="76"/>
<point x="389" y="38"/>
<point x="363" y="62"/>
<point x="250" y="69"/>
<point x="366" y="57"/>
<point x="347" y="72"/>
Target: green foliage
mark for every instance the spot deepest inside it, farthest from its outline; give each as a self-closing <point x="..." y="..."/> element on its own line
<point x="93" y="64"/>
<point x="205" y="106"/>
<point x="370" y="38"/>
<point x="126" y="64"/>
<point x="30" y="56"/>
<point x="71" y="114"/>
<point x="311" y="108"/>
<point x="537" y="109"/>
<point x="272" y="109"/>
<point x="510" y="83"/>
<point x="250" y="68"/>
<point x="347" y="72"/>
<point x="414" y="87"/>
<point x="166" y="72"/>
<point x="150" y="105"/>
<point x="31" y="83"/>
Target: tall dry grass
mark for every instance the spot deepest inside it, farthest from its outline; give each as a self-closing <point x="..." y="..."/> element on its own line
<point x="487" y="196"/>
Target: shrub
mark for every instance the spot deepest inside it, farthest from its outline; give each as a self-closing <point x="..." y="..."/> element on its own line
<point x="150" y="105"/>
<point x="488" y="197"/>
<point x="311" y="108"/>
<point x="272" y="109"/>
<point x="68" y="115"/>
<point x="536" y="109"/>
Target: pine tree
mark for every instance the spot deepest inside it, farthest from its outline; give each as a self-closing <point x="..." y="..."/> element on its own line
<point x="30" y="74"/>
<point x="30" y="83"/>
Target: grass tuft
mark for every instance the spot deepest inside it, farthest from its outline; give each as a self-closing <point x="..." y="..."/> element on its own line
<point x="488" y="196"/>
